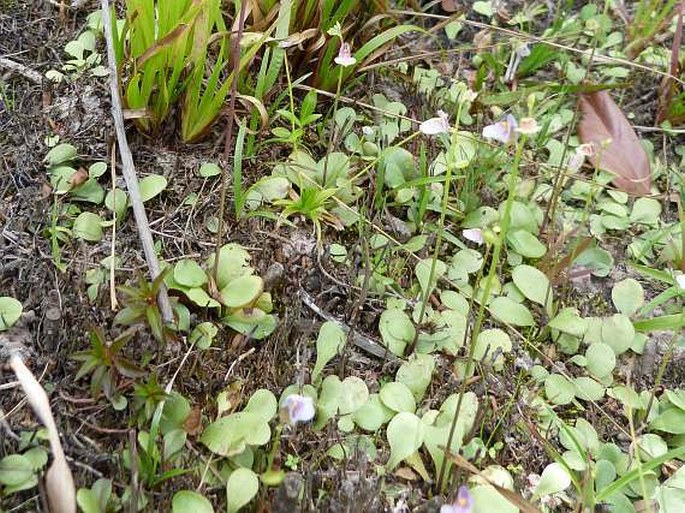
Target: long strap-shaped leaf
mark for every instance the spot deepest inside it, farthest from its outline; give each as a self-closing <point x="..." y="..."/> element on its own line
<point x="617" y="147"/>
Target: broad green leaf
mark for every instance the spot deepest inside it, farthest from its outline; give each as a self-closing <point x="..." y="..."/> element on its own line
<point x="188" y="501"/>
<point x="373" y="414"/>
<point x="233" y="262"/>
<point x="646" y="211"/>
<point x="10" y="311"/>
<point x="526" y="244"/>
<point x="116" y="200"/>
<point x="416" y="374"/>
<point x="397" y="330"/>
<point x="405" y="436"/>
<point x="329" y="343"/>
<point x="628" y="296"/>
<point x="397" y="397"/>
<point x="201" y="298"/>
<point x="329" y="399"/>
<point x="353" y="395"/>
<point x="151" y="186"/>
<point x="601" y="359"/>
<point x="242" y="291"/>
<point x="569" y="321"/>
<point x="558" y="389"/>
<point x="189" y="274"/>
<point x="15" y="470"/>
<point x="97" y="169"/>
<point x="555" y="478"/>
<point x="463" y="151"/>
<point x="598" y="260"/>
<point x="532" y="283"/>
<point x="88" y="226"/>
<point x="670" y="421"/>
<point x="618" y="332"/>
<point x="263" y="404"/>
<point x="588" y="389"/>
<point x="242" y="486"/>
<point x="507" y="311"/>
<point x="60" y="154"/>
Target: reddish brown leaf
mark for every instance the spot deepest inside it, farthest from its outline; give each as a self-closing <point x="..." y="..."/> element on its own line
<point x="602" y="121"/>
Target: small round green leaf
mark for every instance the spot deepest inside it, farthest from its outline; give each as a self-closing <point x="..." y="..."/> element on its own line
<point x="15" y="470"/>
<point x="88" y="226"/>
<point x="618" y="332"/>
<point x="241" y="488"/>
<point x="405" y="436"/>
<point x="532" y="283"/>
<point x="242" y="291"/>
<point x="189" y="274"/>
<point x="151" y="186"/>
<point x="397" y="397"/>
<point x="209" y="169"/>
<point x="526" y="244"/>
<point x="10" y="311"/>
<point x="353" y="395"/>
<point x="601" y="359"/>
<point x="509" y="312"/>
<point x="628" y="296"/>
<point x="555" y="478"/>
<point x="188" y="501"/>
<point x="558" y="389"/>
<point x="372" y="414"/>
<point x="60" y="154"/>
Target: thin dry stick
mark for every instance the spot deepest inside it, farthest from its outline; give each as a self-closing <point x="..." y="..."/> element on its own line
<point x="112" y="292"/>
<point x="129" y="170"/>
<point x="229" y="135"/>
<point x="17" y="67"/>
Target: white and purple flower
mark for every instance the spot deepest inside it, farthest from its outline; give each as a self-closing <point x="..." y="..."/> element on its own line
<point x="462" y="504"/>
<point x="299" y="408"/>
<point x="345" y="57"/>
<point x="437" y="125"/>
<point x="503" y="131"/>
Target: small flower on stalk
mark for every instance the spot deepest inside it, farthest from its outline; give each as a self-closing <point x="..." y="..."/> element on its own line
<point x="299" y="408"/>
<point x="517" y="56"/>
<point x="438" y="125"/>
<point x="345" y="57"/>
<point x="528" y="126"/>
<point x="578" y="158"/>
<point x="474" y="235"/>
<point x="462" y="504"/>
<point x="503" y="131"/>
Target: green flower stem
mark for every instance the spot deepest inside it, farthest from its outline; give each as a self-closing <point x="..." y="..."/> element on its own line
<point x="494" y="263"/>
<point x="441" y="224"/>
<point x="334" y="128"/>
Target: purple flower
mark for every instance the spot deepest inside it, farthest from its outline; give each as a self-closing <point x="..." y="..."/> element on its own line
<point x="438" y="125"/>
<point x="462" y="504"/>
<point x="503" y="131"/>
<point x="345" y="57"/>
<point x="474" y="235"/>
<point x="299" y="408"/>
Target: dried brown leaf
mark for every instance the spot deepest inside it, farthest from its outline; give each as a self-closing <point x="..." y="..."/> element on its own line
<point x="602" y="121"/>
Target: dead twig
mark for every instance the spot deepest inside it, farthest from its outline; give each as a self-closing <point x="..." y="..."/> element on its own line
<point x="359" y="340"/>
<point x="129" y="170"/>
<point x="24" y="71"/>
